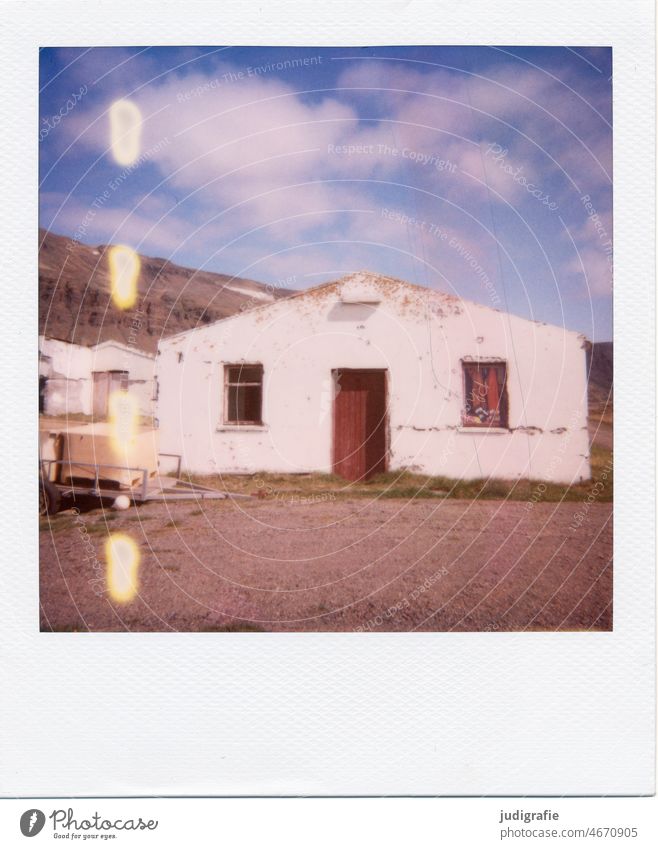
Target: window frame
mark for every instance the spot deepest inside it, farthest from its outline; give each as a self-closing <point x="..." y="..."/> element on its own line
<point x="503" y="397"/>
<point x="228" y="384"/>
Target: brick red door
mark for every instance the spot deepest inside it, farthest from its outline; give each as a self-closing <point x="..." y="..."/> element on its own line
<point x="360" y="423"/>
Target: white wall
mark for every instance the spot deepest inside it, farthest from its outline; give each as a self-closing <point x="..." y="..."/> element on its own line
<point x="140" y="367"/>
<point x="420" y="337"/>
<point x="69" y="371"/>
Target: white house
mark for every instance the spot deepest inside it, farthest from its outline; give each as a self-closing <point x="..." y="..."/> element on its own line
<point x="79" y="379"/>
<point x="368" y="374"/>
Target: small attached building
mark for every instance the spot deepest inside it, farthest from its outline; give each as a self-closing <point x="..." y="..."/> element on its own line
<point x="80" y="379"/>
<point x="371" y="374"/>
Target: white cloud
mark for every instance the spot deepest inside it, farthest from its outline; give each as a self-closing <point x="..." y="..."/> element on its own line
<point x="259" y="173"/>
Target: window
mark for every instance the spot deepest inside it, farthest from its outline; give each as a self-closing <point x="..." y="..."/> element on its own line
<point x="485" y="395"/>
<point x="243" y="394"/>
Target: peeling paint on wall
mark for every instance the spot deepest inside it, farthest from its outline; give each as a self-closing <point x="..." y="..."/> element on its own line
<point x="300" y="344"/>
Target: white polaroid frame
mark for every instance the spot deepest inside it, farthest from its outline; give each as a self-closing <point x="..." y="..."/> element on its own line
<point x="331" y="714"/>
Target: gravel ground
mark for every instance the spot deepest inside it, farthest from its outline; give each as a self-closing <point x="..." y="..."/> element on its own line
<point x="384" y="565"/>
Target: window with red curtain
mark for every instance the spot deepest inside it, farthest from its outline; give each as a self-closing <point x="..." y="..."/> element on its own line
<point x="485" y="395"/>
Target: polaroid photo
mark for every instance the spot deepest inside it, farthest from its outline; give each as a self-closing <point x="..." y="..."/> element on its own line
<point x="328" y="389"/>
<point x="392" y="409"/>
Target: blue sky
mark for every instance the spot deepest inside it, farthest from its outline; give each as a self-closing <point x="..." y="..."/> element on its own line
<point x="484" y="172"/>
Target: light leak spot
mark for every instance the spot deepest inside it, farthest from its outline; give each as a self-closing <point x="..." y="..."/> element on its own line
<point x="125" y="131"/>
<point x="124" y="273"/>
<point x="122" y="558"/>
<point x="123" y="417"/>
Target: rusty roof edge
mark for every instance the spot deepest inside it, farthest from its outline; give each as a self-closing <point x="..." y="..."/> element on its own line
<point x="379" y="278"/>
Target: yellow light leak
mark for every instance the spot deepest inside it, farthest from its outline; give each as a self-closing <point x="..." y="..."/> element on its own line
<point x="124" y="272"/>
<point x="125" y="131"/>
<point x="123" y="416"/>
<point x="122" y="557"/>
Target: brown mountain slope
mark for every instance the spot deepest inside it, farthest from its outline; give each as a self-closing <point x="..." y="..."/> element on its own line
<point x="599" y="371"/>
<point x="600" y="378"/>
<point x="75" y="304"/>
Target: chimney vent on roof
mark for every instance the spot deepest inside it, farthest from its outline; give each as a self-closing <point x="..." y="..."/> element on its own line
<point x="356" y="297"/>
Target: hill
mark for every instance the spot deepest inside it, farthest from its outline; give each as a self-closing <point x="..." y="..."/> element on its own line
<point x="75" y="304"/>
<point x="599" y="371"/>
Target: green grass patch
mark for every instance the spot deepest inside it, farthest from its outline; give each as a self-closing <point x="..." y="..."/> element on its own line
<point x="408" y="485"/>
<point x="97" y="529"/>
<point x="56" y="523"/>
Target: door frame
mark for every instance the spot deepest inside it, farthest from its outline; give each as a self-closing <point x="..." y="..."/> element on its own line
<point x="107" y="375"/>
<point x="387" y="419"/>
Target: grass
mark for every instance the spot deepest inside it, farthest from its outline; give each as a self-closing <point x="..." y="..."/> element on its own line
<point x="320" y="488"/>
<point x="601" y="421"/>
<point x="56" y="523"/>
<point x="406" y="485"/>
<point x="94" y="522"/>
<point x="97" y="528"/>
<point x="602" y="414"/>
<point x="166" y="527"/>
<point x="273" y="485"/>
<point x="316" y="487"/>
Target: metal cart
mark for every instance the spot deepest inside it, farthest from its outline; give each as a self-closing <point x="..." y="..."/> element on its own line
<point x="151" y="488"/>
